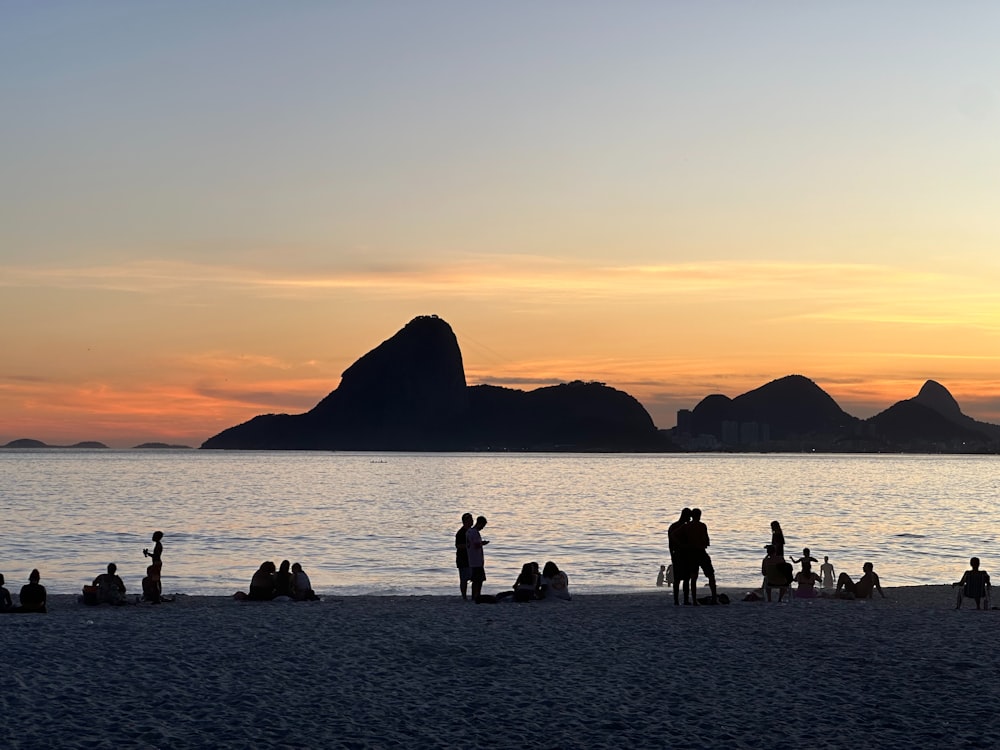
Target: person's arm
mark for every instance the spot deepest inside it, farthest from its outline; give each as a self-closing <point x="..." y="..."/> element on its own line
<point x="878" y="584"/>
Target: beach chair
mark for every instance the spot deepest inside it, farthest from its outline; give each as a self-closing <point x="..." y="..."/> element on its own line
<point x="976" y="586"/>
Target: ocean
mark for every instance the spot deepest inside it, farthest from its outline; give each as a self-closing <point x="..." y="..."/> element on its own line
<point x="384" y="523"/>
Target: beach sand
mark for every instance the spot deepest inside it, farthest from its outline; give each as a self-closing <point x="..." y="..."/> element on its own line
<point x="602" y="671"/>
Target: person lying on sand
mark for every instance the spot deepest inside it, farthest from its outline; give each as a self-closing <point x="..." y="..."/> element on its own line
<point x="864" y="588"/>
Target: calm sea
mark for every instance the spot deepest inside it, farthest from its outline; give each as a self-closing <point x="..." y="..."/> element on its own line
<point x="384" y="523"/>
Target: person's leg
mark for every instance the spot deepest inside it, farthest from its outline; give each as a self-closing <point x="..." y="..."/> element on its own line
<point x="709" y="569"/>
<point x="677" y="581"/>
<point x="844" y="581"/>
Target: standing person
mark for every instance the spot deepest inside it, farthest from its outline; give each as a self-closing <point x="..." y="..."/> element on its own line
<point x="474" y="543"/>
<point x="777" y="538"/>
<point x="827" y="572"/>
<point x="697" y="533"/>
<point x="462" y="555"/>
<point x="33" y="596"/>
<point x="677" y="542"/>
<point x="157" y="548"/>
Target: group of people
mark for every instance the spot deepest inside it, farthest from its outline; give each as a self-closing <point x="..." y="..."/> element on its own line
<point x="687" y="539"/>
<point x="31" y="599"/>
<point x="109" y="588"/>
<point x="532" y="583"/>
<point x="272" y="582"/>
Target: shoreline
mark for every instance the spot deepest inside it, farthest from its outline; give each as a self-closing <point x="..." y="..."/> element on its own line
<point x="602" y="671"/>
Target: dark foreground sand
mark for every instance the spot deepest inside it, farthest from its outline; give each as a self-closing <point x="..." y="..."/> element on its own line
<point x="628" y="671"/>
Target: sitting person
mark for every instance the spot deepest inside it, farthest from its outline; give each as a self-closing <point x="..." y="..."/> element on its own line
<point x="555" y="583"/>
<point x="33" y="596"/>
<point x="262" y="583"/>
<point x="6" y="603"/>
<point x="975" y="584"/>
<point x="283" y="580"/>
<point x="110" y="588"/>
<point x="152" y="589"/>
<point x="777" y="573"/>
<point x="864" y="588"/>
<point x="527" y="585"/>
<point x="806" y="581"/>
<point x="807" y="560"/>
<point x="301" y="585"/>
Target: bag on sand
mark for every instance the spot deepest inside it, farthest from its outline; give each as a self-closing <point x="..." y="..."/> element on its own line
<point x="90" y="595"/>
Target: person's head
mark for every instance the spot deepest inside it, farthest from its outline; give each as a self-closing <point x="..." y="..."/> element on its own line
<point x="662" y="567"/>
<point x="527" y="569"/>
<point x="775" y="526"/>
<point x="974" y="562"/>
<point x="868" y="567"/>
<point x="285" y="565"/>
<point x="826" y="558"/>
<point x="296" y="567"/>
<point x="467" y="520"/>
<point x="481" y="522"/>
<point x="550" y="569"/>
<point x="696" y="514"/>
<point x="153" y="571"/>
<point x="2" y="581"/>
<point x="34" y="576"/>
<point x="112" y="568"/>
<point x="157" y="536"/>
<point x="685" y="514"/>
<point x="805" y="551"/>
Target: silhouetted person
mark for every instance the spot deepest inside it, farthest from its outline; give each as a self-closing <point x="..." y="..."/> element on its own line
<point x="462" y="554"/>
<point x="477" y="559"/>
<point x="865" y="586"/>
<point x="661" y="576"/>
<point x="679" y="557"/>
<point x="152" y="590"/>
<point x="974" y="584"/>
<point x="283" y="579"/>
<point x="827" y="572"/>
<point x="555" y="583"/>
<point x="110" y="587"/>
<point x="6" y="603"/>
<point x="262" y="583"/>
<point x="697" y="533"/>
<point x="778" y="539"/>
<point x="301" y="585"/>
<point x="777" y="573"/>
<point x="807" y="560"/>
<point x="33" y="597"/>
<point x="157" y="552"/>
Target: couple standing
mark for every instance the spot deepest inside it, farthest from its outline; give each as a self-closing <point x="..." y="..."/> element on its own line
<point x="688" y="540"/>
<point x="469" y="557"/>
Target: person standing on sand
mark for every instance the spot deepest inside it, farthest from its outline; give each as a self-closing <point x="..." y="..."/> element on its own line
<point x="462" y="555"/>
<point x="697" y="534"/>
<point x="827" y="572"/>
<point x="678" y="545"/>
<point x="474" y="543"/>
<point x="777" y="539"/>
<point x="157" y="549"/>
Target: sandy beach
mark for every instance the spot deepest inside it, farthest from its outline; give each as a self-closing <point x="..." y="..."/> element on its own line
<point x="602" y="671"/>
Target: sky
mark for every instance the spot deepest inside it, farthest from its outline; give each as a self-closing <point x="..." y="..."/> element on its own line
<point x="209" y="210"/>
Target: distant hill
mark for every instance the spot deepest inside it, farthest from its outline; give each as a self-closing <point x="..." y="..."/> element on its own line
<point x="28" y="443"/>
<point x="409" y="393"/>
<point x="793" y="413"/>
<point x="160" y="446"/>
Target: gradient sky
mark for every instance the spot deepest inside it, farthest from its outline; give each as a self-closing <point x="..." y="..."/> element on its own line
<point x="208" y="210"/>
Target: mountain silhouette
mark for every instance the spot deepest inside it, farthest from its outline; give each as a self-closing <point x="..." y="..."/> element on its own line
<point x="410" y="393"/>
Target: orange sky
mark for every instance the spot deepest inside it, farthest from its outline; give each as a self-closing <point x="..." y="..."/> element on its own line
<point x="676" y="201"/>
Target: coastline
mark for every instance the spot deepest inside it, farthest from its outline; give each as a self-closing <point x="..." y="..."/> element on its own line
<point x="604" y="670"/>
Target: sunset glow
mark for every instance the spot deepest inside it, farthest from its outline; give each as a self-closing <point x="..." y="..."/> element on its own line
<point x="675" y="201"/>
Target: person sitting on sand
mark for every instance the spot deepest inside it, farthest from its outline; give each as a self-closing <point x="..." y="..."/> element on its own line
<point x="33" y="596"/>
<point x="826" y="570"/>
<point x="262" y="583"/>
<point x="555" y="583"/>
<point x="527" y="585"/>
<point x="110" y="587"/>
<point x="302" y="590"/>
<point x="974" y="584"/>
<point x="283" y="580"/>
<point x="806" y="588"/>
<point x="864" y="588"/>
<point x="6" y="603"/>
<point x="777" y="573"/>
<point x="661" y="575"/>
<point x="152" y="590"/>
